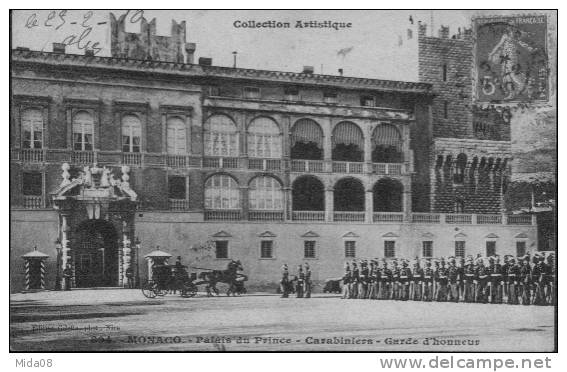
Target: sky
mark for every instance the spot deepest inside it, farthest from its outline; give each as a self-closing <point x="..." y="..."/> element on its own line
<point x="370" y="47"/>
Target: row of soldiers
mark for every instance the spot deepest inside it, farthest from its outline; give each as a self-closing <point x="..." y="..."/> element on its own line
<point x="300" y="284"/>
<point x="527" y="280"/>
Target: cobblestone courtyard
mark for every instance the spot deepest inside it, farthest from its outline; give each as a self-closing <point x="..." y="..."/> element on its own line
<point x="112" y="319"/>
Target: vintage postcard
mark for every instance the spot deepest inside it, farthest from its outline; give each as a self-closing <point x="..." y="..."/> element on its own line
<point x="262" y="180"/>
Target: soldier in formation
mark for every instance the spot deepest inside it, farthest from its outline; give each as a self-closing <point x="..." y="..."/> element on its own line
<point x="526" y="280"/>
<point x="300" y="284"/>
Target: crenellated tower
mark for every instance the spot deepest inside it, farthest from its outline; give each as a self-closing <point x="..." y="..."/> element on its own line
<point x="470" y="150"/>
<point x="147" y="45"/>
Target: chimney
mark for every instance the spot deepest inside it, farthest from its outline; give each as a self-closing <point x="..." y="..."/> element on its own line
<point x="308" y="69"/>
<point x="341" y="71"/>
<point x="444" y="32"/>
<point x="89" y="52"/>
<point x="190" y="52"/>
<point x="59" y="48"/>
<point x="204" y="61"/>
<point x="422" y="29"/>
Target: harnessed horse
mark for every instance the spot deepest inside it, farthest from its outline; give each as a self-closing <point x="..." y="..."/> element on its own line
<point x="230" y="276"/>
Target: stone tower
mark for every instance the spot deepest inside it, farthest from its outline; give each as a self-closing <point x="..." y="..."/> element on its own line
<point x="147" y="45"/>
<point x="469" y="157"/>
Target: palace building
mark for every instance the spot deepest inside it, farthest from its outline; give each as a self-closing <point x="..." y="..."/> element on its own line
<point x="112" y="157"/>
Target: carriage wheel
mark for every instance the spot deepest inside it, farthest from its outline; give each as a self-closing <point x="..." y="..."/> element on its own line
<point x="148" y="290"/>
<point x="189" y="290"/>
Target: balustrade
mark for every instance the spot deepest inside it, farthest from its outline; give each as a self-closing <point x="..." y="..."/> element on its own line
<point x="32" y="202"/>
<point x="308" y="215"/>
<point x="349" y="216"/>
<point x="387" y="217"/>
<point x="265" y="215"/>
<point x="178" y="204"/>
<point x="222" y="215"/>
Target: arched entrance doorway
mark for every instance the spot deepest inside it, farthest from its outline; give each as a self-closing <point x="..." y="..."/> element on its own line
<point x="96" y="254"/>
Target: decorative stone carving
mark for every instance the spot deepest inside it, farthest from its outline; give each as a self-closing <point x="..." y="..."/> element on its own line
<point x="66" y="175"/>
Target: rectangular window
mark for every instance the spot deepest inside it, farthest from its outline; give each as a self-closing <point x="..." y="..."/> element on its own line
<point x="367" y="101"/>
<point x="427" y="248"/>
<point x="445" y="109"/>
<point x="177" y="187"/>
<point x="389" y="249"/>
<point x="460" y="248"/>
<point x="291" y="93"/>
<point x="214" y="90"/>
<point x="176" y="136"/>
<point x="266" y="249"/>
<point x="350" y="249"/>
<point x="83" y="129"/>
<point x="251" y="92"/>
<point x="520" y="249"/>
<point x="445" y="72"/>
<point x="221" y="249"/>
<point x="32" y="129"/>
<point x="330" y="97"/>
<point x="309" y="249"/>
<point x="32" y="184"/>
<point x="490" y="249"/>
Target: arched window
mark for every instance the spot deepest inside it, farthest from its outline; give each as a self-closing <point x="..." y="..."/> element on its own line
<point x="266" y="194"/>
<point x="222" y="192"/>
<point x="83" y="128"/>
<point x="264" y="139"/>
<point x="308" y="194"/>
<point x="348" y="142"/>
<point x="32" y="129"/>
<point x="131" y="133"/>
<point x="176" y="136"/>
<point x="387" y="145"/>
<point x="306" y="140"/>
<point x="460" y="166"/>
<point x="349" y="195"/>
<point x="221" y="136"/>
<point x="388" y="196"/>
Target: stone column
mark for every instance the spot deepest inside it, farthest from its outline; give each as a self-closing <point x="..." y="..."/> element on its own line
<point x="126" y="253"/>
<point x="243" y="155"/>
<point x="369" y="206"/>
<point x="326" y="125"/>
<point x="245" y="202"/>
<point x="288" y="204"/>
<point x="285" y="132"/>
<point x="136" y="259"/>
<point x="368" y="149"/>
<point x="329" y="204"/>
<point x="65" y="250"/>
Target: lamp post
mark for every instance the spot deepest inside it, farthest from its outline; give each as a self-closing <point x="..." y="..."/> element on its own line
<point x="59" y="249"/>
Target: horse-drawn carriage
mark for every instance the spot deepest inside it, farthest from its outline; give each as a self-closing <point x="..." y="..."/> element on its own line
<point x="172" y="279"/>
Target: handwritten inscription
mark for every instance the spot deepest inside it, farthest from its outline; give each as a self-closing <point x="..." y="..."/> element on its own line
<point x="80" y="38"/>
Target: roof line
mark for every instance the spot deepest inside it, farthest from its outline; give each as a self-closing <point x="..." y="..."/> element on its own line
<point x="229" y="72"/>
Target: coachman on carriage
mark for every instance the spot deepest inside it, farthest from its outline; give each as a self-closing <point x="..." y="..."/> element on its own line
<point x="171" y="279"/>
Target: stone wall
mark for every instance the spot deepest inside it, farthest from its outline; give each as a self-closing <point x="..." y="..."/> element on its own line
<point x="186" y="235"/>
